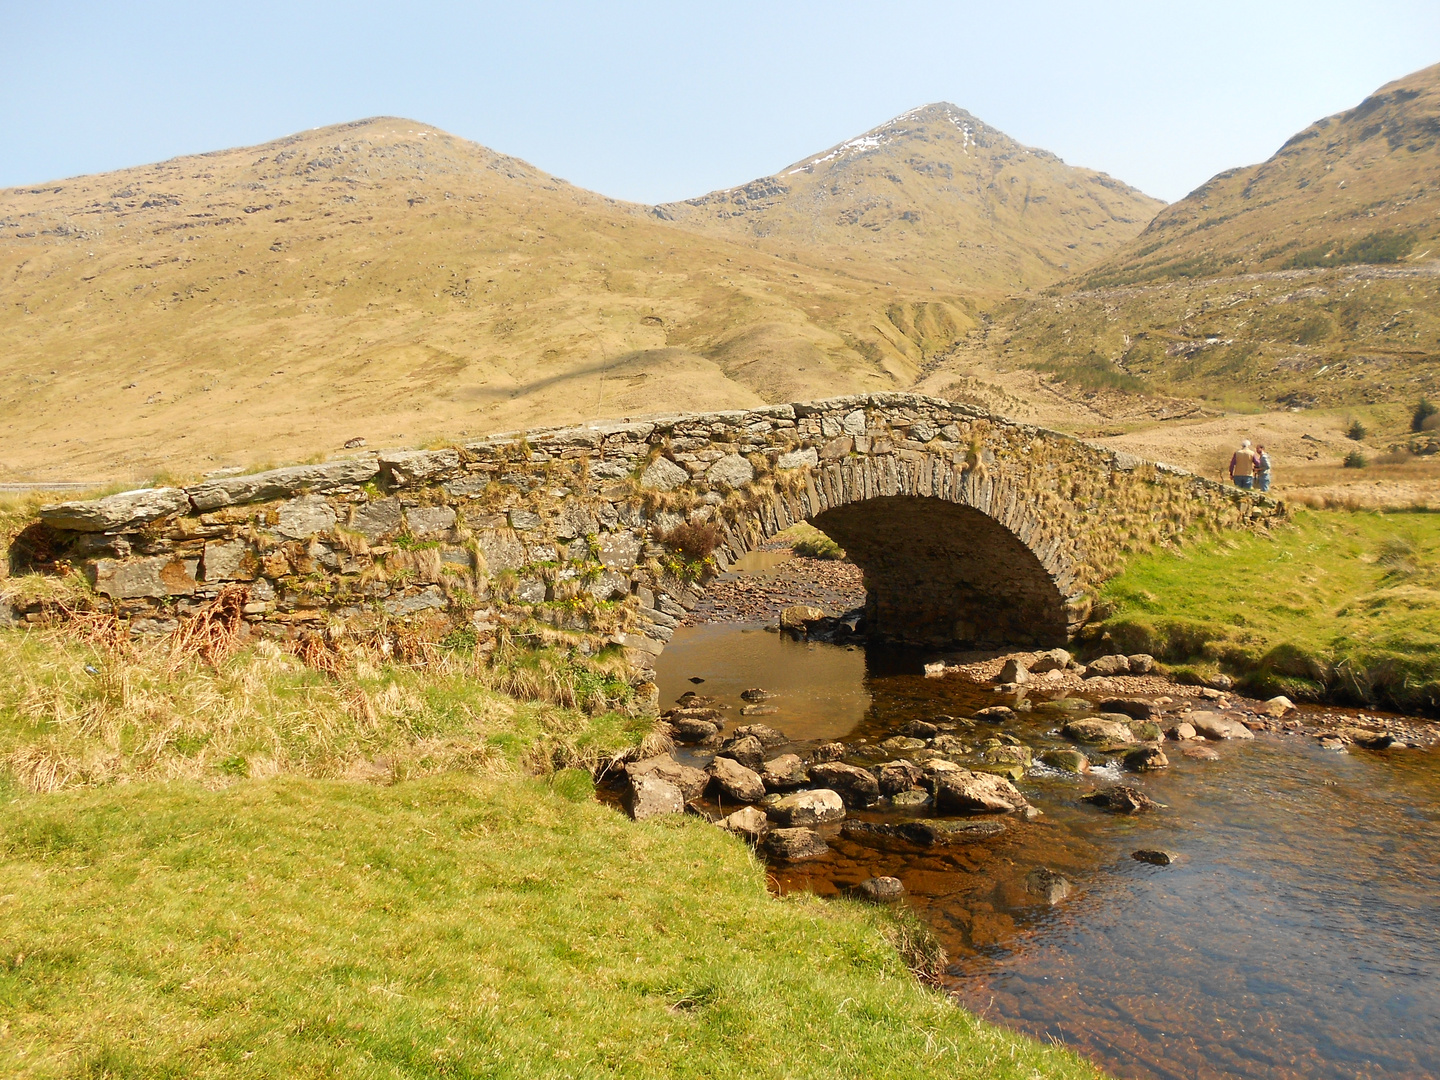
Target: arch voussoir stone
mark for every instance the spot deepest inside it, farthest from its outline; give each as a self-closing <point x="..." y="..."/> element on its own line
<point x="989" y="532"/>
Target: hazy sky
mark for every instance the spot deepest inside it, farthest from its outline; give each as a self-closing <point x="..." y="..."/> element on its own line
<point x="652" y="101"/>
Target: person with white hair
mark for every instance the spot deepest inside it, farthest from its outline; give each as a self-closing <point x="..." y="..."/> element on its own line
<point x="1242" y="467"/>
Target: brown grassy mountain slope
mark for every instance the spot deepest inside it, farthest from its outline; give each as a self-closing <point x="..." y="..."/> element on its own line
<point x="935" y="189"/>
<point x="386" y="280"/>
<point x="1310" y="280"/>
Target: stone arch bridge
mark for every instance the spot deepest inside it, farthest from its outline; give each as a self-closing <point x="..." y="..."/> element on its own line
<point x="971" y="530"/>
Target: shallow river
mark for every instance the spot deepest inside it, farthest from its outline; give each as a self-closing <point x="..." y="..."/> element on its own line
<point x="1297" y="935"/>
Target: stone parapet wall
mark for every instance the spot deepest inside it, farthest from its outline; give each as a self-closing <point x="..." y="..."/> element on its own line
<point x="970" y="528"/>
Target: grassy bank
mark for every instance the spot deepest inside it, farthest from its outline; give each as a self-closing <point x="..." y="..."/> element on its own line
<point x="1337" y="605"/>
<point x="260" y="869"/>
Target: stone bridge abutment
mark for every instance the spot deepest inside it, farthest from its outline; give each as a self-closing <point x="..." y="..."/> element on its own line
<point x="970" y="529"/>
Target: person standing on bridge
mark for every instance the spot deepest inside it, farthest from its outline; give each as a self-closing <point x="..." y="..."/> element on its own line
<point x="1242" y="467"/>
<point x="1262" y="469"/>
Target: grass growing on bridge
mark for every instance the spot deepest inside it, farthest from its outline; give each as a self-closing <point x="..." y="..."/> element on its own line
<point x="1337" y="603"/>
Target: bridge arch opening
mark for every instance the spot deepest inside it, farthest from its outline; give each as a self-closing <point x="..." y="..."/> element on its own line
<point x="942" y="573"/>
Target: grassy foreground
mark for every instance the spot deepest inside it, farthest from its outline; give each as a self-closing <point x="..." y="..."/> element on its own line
<point x="257" y="875"/>
<point x="1343" y="605"/>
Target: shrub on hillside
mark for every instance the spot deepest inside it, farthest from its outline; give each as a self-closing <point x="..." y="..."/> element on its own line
<point x="695" y="542"/>
<point x="1356" y="430"/>
<point x="1356" y="460"/>
<point x="1423" y="416"/>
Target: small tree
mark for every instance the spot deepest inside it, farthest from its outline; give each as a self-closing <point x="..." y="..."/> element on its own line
<point x="1356" y="460"/>
<point x="1423" y="412"/>
<point x="1356" y="430"/>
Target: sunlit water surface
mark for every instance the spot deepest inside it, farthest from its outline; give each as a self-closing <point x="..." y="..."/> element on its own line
<point x="1298" y="935"/>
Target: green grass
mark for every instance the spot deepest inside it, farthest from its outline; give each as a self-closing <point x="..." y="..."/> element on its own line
<point x="810" y="542"/>
<point x="448" y="927"/>
<point x="1337" y="605"/>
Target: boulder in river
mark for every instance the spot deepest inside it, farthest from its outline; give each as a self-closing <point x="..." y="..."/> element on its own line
<point x="767" y="735"/>
<point x="1146" y="759"/>
<point x="1098" y="731"/>
<point x="795" y="844"/>
<point x="784" y="773"/>
<point x="920" y="729"/>
<point x="925" y="832"/>
<point x="745" y="749"/>
<point x="795" y="618"/>
<point x="688" y="728"/>
<point x="1131" y="707"/>
<point x="1214" y="726"/>
<point x="963" y="791"/>
<point x="1278" y="706"/>
<point x="1122" y="800"/>
<point x="880" y="890"/>
<point x="914" y="799"/>
<point x="827" y="751"/>
<point x="897" y="776"/>
<point x="755" y="693"/>
<point x="996" y="714"/>
<point x="1020" y="756"/>
<point x="949" y="744"/>
<point x="857" y="786"/>
<point x="1071" y="761"/>
<point x="1181" y="732"/>
<point x="758" y="710"/>
<point x="1199" y="752"/>
<point x="1154" y="856"/>
<point x="1046" y="884"/>
<point x="748" y="822"/>
<point x="735" y="781"/>
<point x="690" y="780"/>
<point x="807" y="808"/>
<point x="899" y="743"/>
<point x="649" y="796"/>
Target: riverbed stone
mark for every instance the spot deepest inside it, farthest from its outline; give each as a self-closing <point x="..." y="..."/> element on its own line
<point x="880" y="890"/>
<point x="1051" y="660"/>
<point x="784" y="773"/>
<point x="1154" y="856"/>
<point x="1215" y="726"/>
<point x="1013" y="672"/>
<point x="649" y="796"/>
<point x="690" y="780"/>
<point x="996" y="714"/>
<point x="756" y="693"/>
<point x="1020" y="756"/>
<point x="1278" y="706"/>
<point x="746" y="749"/>
<point x="1046" y="884"/>
<point x="1131" y="707"/>
<point x="795" y="844"/>
<point x="807" y="808"/>
<point x="920" y="729"/>
<point x="909" y="801"/>
<point x="734" y="781"/>
<point x="857" y="786"/>
<point x="1111" y="665"/>
<point x="796" y="616"/>
<point x="1146" y="759"/>
<point x="1199" y="752"/>
<point x="768" y="736"/>
<point x="692" y="729"/>
<point x="1141" y="663"/>
<point x="1096" y="730"/>
<point x="748" y="822"/>
<point x="1070" y="761"/>
<point x="897" y="776"/>
<point x="828" y="751"/>
<point x="900" y="743"/>
<point x="1181" y="732"/>
<point x="963" y="791"/>
<point x="1121" y="800"/>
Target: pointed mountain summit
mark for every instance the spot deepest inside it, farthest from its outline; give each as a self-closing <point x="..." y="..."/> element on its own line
<point x="1362" y="186"/>
<point x="940" y="191"/>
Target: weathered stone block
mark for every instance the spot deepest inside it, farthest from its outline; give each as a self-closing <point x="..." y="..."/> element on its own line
<point x="732" y="470"/>
<point x="797" y="459"/>
<point x="156" y="576"/>
<point x="282" y="483"/>
<point x="122" y="511"/>
<point x="408" y="468"/>
<point x="430" y="522"/>
<point x="303" y="518"/>
<point x="663" y="475"/>
<point x="225" y="560"/>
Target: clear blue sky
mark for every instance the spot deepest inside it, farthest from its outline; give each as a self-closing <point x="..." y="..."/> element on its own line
<point x="652" y="101"/>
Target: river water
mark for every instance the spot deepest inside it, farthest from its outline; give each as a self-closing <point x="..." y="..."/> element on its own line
<point x="1296" y="935"/>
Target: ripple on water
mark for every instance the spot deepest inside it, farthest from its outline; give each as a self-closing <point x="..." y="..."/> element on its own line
<point x="1296" y="936"/>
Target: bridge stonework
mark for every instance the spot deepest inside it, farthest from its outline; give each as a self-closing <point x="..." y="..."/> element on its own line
<point x="971" y="530"/>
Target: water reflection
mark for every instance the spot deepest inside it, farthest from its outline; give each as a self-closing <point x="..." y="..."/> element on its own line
<point x="1295" y="936"/>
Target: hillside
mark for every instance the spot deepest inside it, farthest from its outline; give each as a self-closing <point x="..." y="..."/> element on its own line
<point x="934" y="189"/>
<point x="1307" y="281"/>
<point x="385" y="280"/>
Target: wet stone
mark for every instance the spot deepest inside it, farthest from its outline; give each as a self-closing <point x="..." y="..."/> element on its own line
<point x="746" y="749"/>
<point x="880" y="890"/>
<point x="914" y="799"/>
<point x="897" y="776"/>
<point x="1153" y="856"/>
<point x="963" y="791"/>
<point x="1099" y="731"/>
<point x="857" y="786"/>
<point x="734" y="781"/>
<point x="1122" y="800"/>
<point x="1046" y="884"/>
<point x="899" y="743"/>
<point x="830" y="751"/>
<point x="748" y="822"/>
<point x="1181" y="732"/>
<point x="768" y="736"/>
<point x="1070" y="761"/>
<point x="755" y="693"/>
<point x="1146" y="759"/>
<point x="784" y="773"/>
<point x="1199" y="752"/>
<point x="1214" y="726"/>
<point x="806" y="808"/>
<point x="920" y="729"/>
<point x="792" y="845"/>
<point x="1131" y="707"/>
<point x="925" y="832"/>
<point x="996" y="714"/>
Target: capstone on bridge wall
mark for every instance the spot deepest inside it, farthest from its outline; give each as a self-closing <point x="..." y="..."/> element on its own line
<point x="970" y="529"/>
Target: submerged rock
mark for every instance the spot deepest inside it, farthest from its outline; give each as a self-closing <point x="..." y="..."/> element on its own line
<point x="784" y="773"/>
<point x="880" y="890"/>
<point x="755" y="693"/>
<point x="1214" y="726"/>
<point x="1153" y="856"/>
<point x="1146" y="759"/>
<point x="829" y="751"/>
<point x="914" y="799"/>
<point x="1071" y="761"/>
<point x="926" y="832"/>
<point x="1181" y="732"/>
<point x="1098" y="731"/>
<point x="897" y="776"/>
<point x="1122" y="800"/>
<point x="767" y="735"/>
<point x="1047" y="885"/>
<point x="745" y="749"/>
